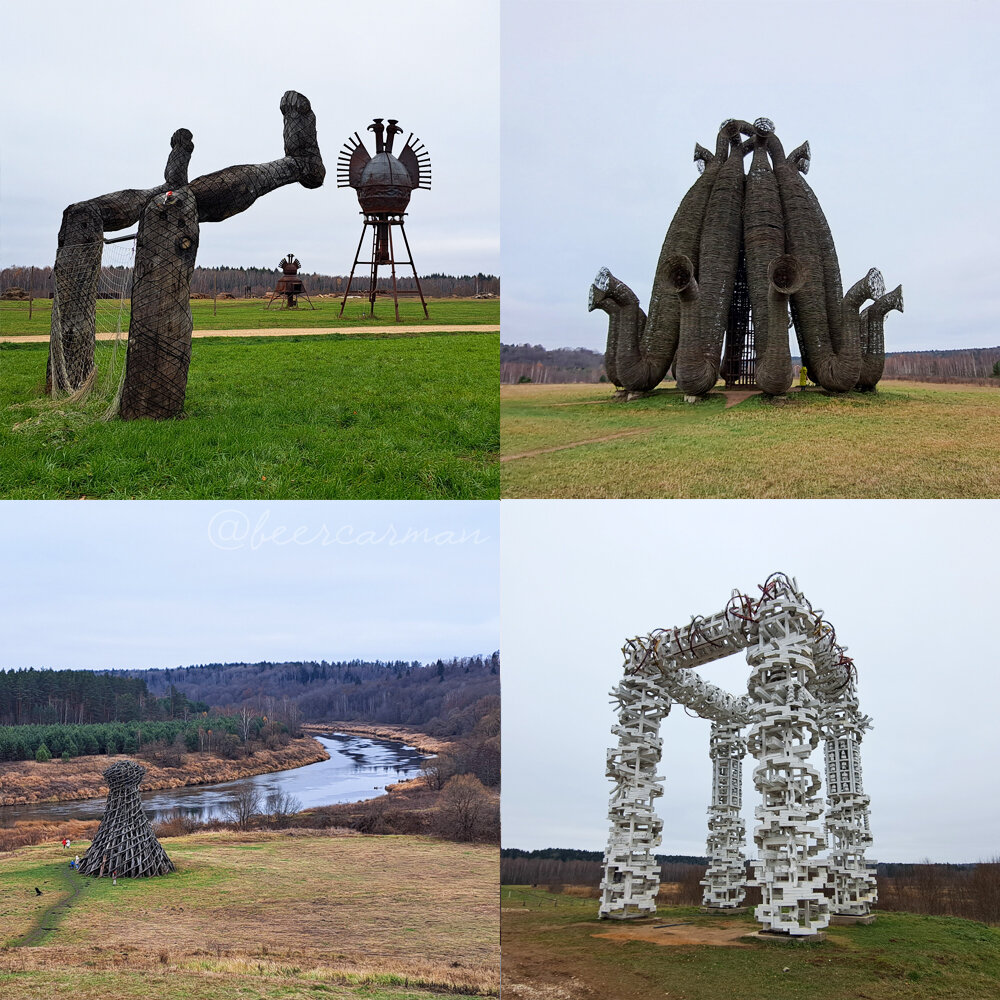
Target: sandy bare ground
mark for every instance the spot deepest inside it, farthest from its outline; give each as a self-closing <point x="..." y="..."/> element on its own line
<point x="678" y="934"/>
<point x="574" y="444"/>
<point x="284" y="332"/>
<point x="405" y="734"/>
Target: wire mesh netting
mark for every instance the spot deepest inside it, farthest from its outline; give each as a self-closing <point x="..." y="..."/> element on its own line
<point x="107" y="290"/>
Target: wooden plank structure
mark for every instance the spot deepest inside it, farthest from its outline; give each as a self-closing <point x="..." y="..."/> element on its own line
<point x="125" y="845"/>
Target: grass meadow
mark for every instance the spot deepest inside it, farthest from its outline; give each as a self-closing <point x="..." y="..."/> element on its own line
<point x="250" y="314"/>
<point x="258" y="915"/>
<point x="554" y="946"/>
<point x="357" y="416"/>
<point x="908" y="440"/>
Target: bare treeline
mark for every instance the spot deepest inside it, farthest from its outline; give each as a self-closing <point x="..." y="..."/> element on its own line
<point x="534" y="363"/>
<point x="255" y="282"/>
<point x="946" y="366"/>
<point x="969" y="891"/>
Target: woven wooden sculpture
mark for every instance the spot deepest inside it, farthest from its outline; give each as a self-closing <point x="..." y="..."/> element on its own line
<point x="742" y="251"/>
<point x="159" y="348"/>
<point x="125" y="845"/>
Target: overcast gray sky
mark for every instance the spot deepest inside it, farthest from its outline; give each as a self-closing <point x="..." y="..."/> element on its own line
<point x="172" y="583"/>
<point x="910" y="587"/>
<point x="603" y="104"/>
<point x="94" y="93"/>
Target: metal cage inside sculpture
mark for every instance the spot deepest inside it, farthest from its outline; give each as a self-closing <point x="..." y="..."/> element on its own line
<point x="169" y="216"/>
<point x="801" y="690"/>
<point x="743" y="250"/>
<point x="125" y="845"/>
<point x="384" y="184"/>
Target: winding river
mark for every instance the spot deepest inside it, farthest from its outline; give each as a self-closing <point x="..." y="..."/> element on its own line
<point x="359" y="768"/>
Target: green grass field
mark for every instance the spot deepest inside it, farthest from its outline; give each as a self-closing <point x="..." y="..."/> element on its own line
<point x="550" y="950"/>
<point x="317" y="417"/>
<point x="250" y="314"/>
<point x="257" y="915"/>
<point x="908" y="440"/>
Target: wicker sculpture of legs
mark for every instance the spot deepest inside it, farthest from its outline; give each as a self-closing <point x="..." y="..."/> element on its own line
<point x="159" y="349"/>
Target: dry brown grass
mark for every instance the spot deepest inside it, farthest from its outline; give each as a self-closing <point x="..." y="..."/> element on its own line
<point x="82" y="777"/>
<point x="909" y="440"/>
<point x="283" y="906"/>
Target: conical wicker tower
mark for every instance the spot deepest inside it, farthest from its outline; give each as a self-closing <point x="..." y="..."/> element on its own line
<point x="125" y="844"/>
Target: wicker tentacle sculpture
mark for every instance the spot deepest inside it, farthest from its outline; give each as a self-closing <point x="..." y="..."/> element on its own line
<point x="641" y="349"/>
<point x="764" y="239"/>
<point x="771" y="219"/>
<point x="873" y="338"/>
<point x="699" y="354"/>
<point x="626" y="321"/>
<point x="78" y="266"/>
<point x="827" y="320"/>
<point x="125" y="844"/>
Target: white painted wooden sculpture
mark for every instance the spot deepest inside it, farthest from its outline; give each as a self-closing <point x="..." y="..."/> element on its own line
<point x="801" y="689"/>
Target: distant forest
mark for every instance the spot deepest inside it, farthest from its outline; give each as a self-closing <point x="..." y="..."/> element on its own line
<point x="534" y="363"/>
<point x="559" y="864"/>
<point x="439" y="697"/>
<point x="254" y="282"/>
<point x="527" y="363"/>
<point x="72" y="712"/>
<point x="84" y="697"/>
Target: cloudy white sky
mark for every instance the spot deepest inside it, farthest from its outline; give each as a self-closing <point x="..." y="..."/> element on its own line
<point x="172" y="583"/>
<point x="603" y="104"/>
<point x="909" y="586"/>
<point x="94" y="93"/>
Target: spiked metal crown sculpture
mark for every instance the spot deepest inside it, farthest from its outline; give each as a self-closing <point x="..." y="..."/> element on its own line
<point x="125" y="844"/>
<point x="384" y="183"/>
<point x="743" y="249"/>
<point x="289" y="284"/>
<point x="801" y="689"/>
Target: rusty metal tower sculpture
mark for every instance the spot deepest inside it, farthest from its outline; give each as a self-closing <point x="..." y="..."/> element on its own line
<point x="289" y="284"/>
<point x="383" y="183"/>
<point x="125" y="844"/>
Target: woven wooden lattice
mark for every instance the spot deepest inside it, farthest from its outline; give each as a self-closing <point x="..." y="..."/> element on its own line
<point x="125" y="845"/>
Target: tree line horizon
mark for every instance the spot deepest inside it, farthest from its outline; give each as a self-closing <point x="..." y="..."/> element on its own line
<point x="224" y="280"/>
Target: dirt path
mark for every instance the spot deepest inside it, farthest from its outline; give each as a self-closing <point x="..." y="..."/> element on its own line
<point x="49" y="918"/>
<point x="736" y="396"/>
<point x="575" y="444"/>
<point x="43" y="338"/>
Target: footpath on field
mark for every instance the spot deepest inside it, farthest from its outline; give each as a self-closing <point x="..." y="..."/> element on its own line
<point x="43" y="338"/>
<point x="49" y="918"/>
